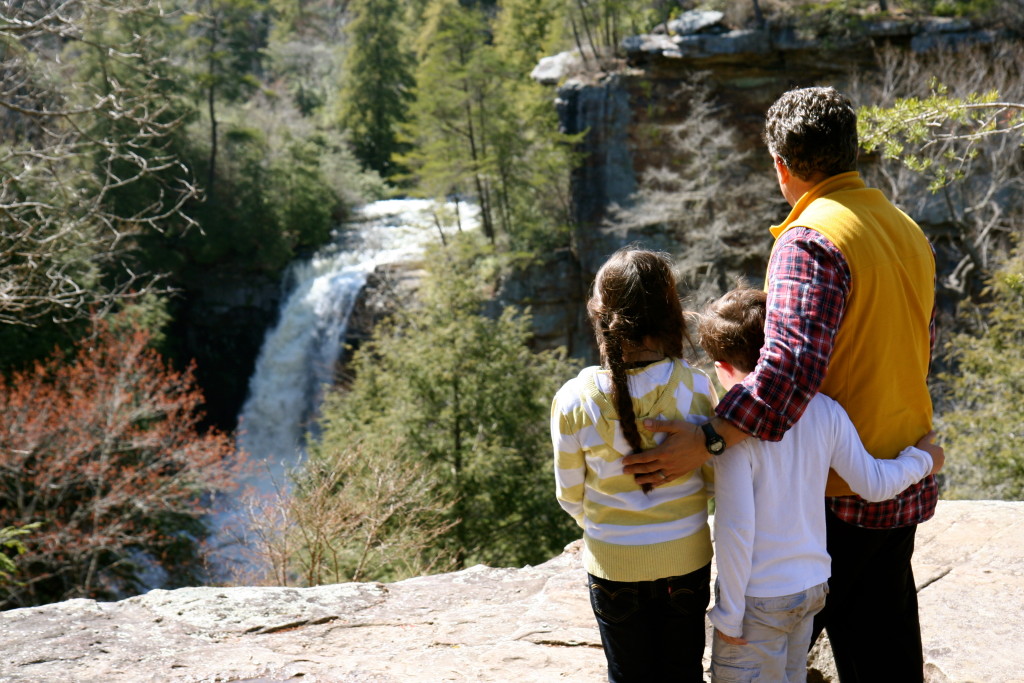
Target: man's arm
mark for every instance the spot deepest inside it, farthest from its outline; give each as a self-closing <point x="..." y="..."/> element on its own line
<point x="809" y="281"/>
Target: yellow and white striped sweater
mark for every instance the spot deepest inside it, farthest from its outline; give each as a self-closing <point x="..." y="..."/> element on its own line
<point x="629" y="535"/>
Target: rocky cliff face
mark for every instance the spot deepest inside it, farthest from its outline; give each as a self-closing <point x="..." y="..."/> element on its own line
<point x="481" y="624"/>
<point x="745" y="70"/>
<point x="221" y="324"/>
<point x="622" y="105"/>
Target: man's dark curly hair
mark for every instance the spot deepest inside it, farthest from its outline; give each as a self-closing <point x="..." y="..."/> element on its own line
<point x="813" y="131"/>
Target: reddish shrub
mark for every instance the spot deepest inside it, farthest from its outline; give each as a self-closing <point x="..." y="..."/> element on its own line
<point x="103" y="446"/>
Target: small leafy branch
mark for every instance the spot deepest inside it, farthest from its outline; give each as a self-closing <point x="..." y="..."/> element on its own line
<point x="10" y="543"/>
<point x="911" y="126"/>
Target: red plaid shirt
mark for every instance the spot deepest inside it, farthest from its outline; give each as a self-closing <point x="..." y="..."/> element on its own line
<point x="809" y="281"/>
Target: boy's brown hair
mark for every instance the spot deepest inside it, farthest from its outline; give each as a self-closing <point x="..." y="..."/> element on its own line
<point x="731" y="329"/>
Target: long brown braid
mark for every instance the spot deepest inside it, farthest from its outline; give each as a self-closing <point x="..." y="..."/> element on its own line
<point x="634" y="299"/>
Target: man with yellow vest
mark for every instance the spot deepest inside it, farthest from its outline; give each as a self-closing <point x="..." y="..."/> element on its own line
<point x="850" y="313"/>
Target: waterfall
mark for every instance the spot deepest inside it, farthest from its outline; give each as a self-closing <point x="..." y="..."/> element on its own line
<point x="299" y="354"/>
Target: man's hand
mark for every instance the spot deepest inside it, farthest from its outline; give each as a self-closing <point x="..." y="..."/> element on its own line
<point x="730" y="639"/>
<point x="932" y="449"/>
<point x="682" y="451"/>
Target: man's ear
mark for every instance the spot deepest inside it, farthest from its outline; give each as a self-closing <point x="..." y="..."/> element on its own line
<point x="781" y="169"/>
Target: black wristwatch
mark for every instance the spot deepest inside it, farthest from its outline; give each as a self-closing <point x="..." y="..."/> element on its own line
<point x="713" y="441"/>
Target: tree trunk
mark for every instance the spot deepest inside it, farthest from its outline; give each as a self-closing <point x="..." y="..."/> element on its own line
<point x="211" y="173"/>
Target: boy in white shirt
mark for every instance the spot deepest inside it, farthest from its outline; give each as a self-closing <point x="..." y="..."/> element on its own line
<point x="773" y="568"/>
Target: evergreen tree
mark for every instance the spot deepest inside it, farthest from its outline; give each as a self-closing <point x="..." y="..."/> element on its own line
<point x="482" y="127"/>
<point x="980" y="411"/>
<point x="455" y="79"/>
<point x="378" y="82"/>
<point x="227" y="37"/>
<point x="526" y="30"/>
<point x="465" y="397"/>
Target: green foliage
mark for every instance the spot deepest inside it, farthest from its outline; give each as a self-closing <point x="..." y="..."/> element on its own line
<point x="282" y="186"/>
<point x="452" y="84"/>
<point x="526" y="30"/>
<point x="974" y="9"/>
<point x="11" y="544"/>
<point x="829" y="22"/>
<point x="482" y="128"/>
<point x="963" y="144"/>
<point x="461" y="395"/>
<point x="362" y="512"/>
<point x="599" y="27"/>
<point x="907" y="128"/>
<point x="982" y="417"/>
<point x="307" y="72"/>
<point x="378" y="83"/>
<point x="227" y="38"/>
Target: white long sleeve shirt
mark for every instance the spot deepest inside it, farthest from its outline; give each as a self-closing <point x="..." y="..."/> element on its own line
<point x="770" y="507"/>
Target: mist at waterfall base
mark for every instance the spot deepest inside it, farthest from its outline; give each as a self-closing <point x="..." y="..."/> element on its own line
<point x="297" y="361"/>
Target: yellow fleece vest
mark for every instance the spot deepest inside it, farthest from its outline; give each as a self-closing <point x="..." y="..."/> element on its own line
<point x="879" y="364"/>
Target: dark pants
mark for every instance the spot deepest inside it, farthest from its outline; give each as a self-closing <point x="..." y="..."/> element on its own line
<point x="653" y="630"/>
<point x="871" y="611"/>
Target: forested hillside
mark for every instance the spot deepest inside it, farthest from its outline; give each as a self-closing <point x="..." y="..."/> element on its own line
<point x="157" y="155"/>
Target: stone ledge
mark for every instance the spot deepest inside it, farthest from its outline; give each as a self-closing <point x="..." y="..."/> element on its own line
<point x="480" y="624"/>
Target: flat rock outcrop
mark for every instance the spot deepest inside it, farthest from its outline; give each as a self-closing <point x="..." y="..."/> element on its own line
<point x="481" y="624"/>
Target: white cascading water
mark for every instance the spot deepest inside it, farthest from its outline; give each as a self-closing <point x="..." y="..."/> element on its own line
<point x="298" y="357"/>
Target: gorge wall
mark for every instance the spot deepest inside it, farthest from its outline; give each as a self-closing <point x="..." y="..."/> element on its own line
<point x="621" y="104"/>
<point x="745" y="70"/>
<point x="618" y="105"/>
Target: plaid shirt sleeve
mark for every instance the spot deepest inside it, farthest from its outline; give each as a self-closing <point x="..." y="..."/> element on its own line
<point x="809" y="281"/>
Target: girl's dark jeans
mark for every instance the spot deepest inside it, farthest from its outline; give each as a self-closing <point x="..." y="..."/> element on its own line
<point x="653" y="630"/>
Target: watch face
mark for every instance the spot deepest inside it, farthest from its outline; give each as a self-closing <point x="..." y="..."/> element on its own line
<point x="713" y="441"/>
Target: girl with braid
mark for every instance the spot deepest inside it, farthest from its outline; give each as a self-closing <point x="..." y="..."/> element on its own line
<point x="647" y="551"/>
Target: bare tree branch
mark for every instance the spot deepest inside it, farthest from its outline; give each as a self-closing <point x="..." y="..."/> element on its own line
<point x="72" y="140"/>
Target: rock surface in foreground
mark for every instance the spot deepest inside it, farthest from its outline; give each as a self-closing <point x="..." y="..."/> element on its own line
<point x="481" y="624"/>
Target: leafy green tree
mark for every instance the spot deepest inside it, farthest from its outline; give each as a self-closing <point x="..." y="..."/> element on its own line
<point x="598" y="26"/>
<point x="378" y="82"/>
<point x="354" y="514"/>
<point x="907" y="128"/>
<point x="966" y="147"/>
<point x="533" y="159"/>
<point x="482" y="128"/>
<point x="455" y="78"/>
<point x="466" y="399"/>
<point x="981" y="415"/>
<point x="227" y="38"/>
<point x="526" y="30"/>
